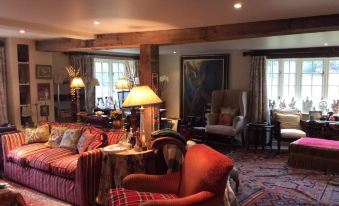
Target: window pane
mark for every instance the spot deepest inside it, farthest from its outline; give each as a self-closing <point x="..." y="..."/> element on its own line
<point x="105" y="67"/>
<point x="97" y="66"/>
<point x="105" y="78"/>
<point x="286" y="79"/>
<point x="306" y="91"/>
<point x="318" y="67"/>
<point x="275" y="79"/>
<point x="275" y="67"/>
<point x="292" y="79"/>
<point x="334" y="66"/>
<point x="292" y="91"/>
<point x="307" y="67"/>
<point x="285" y="92"/>
<point x="333" y="79"/>
<point x="115" y="67"/>
<point x="333" y="92"/>
<point x="99" y="77"/>
<point x="274" y="92"/>
<point x="316" y="91"/>
<point x="292" y="67"/>
<point x="317" y="79"/>
<point x="306" y="79"/>
<point x="286" y="67"/>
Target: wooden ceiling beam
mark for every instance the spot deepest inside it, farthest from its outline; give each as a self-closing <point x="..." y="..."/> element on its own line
<point x="194" y="35"/>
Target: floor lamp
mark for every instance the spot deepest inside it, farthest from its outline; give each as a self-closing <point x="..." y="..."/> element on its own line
<point x="141" y="96"/>
<point x="77" y="84"/>
<point x="123" y="84"/>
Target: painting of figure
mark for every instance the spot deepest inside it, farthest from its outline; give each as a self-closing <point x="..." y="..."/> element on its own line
<point x="200" y="76"/>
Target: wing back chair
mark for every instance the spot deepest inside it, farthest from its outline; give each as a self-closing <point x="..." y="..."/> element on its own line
<point x="201" y="182"/>
<point x="231" y="100"/>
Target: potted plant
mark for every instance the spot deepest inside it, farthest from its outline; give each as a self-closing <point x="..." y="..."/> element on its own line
<point x="116" y="117"/>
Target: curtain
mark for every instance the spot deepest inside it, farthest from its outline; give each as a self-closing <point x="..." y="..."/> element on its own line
<point x="85" y="64"/>
<point x="258" y="95"/>
<point x="132" y="70"/>
<point x="3" y="92"/>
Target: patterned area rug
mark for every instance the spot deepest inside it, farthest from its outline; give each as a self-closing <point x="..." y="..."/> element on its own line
<point x="34" y="198"/>
<point x="266" y="179"/>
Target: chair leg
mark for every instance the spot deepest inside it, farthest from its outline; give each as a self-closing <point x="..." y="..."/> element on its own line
<point x="243" y="139"/>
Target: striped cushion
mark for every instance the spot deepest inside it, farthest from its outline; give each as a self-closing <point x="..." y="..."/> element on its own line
<point x="113" y="137"/>
<point x="19" y="155"/>
<point x="125" y="197"/>
<point x="65" y="167"/>
<point x="288" y="121"/>
<point x="43" y="159"/>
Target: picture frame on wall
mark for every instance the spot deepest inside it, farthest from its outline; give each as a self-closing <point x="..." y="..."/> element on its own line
<point x="44" y="110"/>
<point x="43" y="71"/>
<point x="199" y="77"/>
<point x="44" y="91"/>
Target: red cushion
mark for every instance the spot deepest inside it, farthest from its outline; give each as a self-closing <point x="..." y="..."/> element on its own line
<point x="65" y="166"/>
<point x="122" y="196"/>
<point x="43" y="159"/>
<point x="19" y="155"/>
<point x="226" y="119"/>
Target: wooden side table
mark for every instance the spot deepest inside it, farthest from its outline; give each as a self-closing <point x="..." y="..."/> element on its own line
<point x="258" y="132"/>
<point x="116" y="166"/>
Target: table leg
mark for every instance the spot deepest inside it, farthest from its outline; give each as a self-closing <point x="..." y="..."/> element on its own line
<point x="263" y="138"/>
<point x="247" y="137"/>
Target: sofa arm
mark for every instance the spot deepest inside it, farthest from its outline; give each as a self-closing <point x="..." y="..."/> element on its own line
<point x="203" y="198"/>
<point x="88" y="174"/>
<point x="238" y="123"/>
<point x="168" y="183"/>
<point x="12" y="141"/>
<point x="212" y="118"/>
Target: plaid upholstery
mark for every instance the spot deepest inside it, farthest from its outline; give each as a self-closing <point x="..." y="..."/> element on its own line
<point x="42" y="159"/>
<point x="125" y="197"/>
<point x="113" y="137"/>
<point x="19" y="154"/>
<point x="65" y="166"/>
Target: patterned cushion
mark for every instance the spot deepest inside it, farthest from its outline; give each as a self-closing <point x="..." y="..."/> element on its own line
<point x="288" y="121"/>
<point x="125" y="197"/>
<point x="56" y="136"/>
<point x="226" y="119"/>
<point x="40" y="134"/>
<point x="85" y="140"/>
<point x="113" y="137"/>
<point x="65" y="166"/>
<point x="42" y="159"/>
<point x="19" y="155"/>
<point x="70" y="139"/>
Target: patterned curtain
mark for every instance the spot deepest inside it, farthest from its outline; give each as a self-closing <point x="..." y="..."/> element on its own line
<point x="85" y="64"/>
<point x="3" y="92"/>
<point x="132" y="70"/>
<point x="258" y="95"/>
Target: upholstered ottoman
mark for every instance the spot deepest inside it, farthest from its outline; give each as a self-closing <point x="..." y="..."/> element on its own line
<point x="314" y="153"/>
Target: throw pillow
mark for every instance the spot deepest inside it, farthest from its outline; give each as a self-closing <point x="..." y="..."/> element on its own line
<point x="226" y="119"/>
<point x="56" y="136"/>
<point x="70" y="139"/>
<point x="85" y="140"/>
<point x="40" y="134"/>
<point x="229" y="110"/>
<point x="288" y="121"/>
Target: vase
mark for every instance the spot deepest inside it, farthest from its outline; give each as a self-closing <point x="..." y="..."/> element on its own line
<point x="117" y="124"/>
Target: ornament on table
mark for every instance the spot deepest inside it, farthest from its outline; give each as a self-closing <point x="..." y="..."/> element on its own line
<point x="335" y="106"/>
<point x="271" y="104"/>
<point x="323" y="106"/>
<point x="292" y="104"/>
<point x="282" y="104"/>
<point x="307" y="105"/>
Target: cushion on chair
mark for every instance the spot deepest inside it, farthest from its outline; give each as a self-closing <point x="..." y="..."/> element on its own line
<point x="125" y="197"/>
<point x="39" y="134"/>
<point x="229" y="110"/>
<point x="56" y="136"/>
<point x="19" y="155"/>
<point x="220" y="129"/>
<point x="292" y="133"/>
<point x="42" y="159"/>
<point x="288" y="121"/>
<point x="85" y="140"/>
<point x="70" y="139"/>
<point x="65" y="166"/>
<point x="226" y="119"/>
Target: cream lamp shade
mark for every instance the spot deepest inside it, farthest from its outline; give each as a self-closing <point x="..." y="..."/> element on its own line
<point x="141" y="95"/>
<point x="94" y="82"/>
<point x="77" y="83"/>
<point x="123" y="84"/>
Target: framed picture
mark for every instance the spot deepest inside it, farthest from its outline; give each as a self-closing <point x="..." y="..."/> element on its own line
<point x="44" y="110"/>
<point x="200" y="76"/>
<point x="44" y="91"/>
<point x="43" y="71"/>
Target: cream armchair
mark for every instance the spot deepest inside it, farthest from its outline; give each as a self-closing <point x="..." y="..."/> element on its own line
<point x="235" y="100"/>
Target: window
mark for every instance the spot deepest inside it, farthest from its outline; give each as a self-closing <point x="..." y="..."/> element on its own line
<point x="108" y="71"/>
<point x="315" y="79"/>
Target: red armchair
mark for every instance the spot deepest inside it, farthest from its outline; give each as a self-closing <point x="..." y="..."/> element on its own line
<point x="202" y="181"/>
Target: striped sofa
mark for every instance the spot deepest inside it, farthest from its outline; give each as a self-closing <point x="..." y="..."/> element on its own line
<point x="57" y="172"/>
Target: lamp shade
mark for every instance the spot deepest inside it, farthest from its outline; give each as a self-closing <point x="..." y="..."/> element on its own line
<point x="141" y="95"/>
<point x="94" y="82"/>
<point x="123" y="84"/>
<point x="77" y="83"/>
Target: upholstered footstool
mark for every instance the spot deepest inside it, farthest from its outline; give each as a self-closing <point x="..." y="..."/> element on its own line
<point x="125" y="197"/>
<point x="314" y="153"/>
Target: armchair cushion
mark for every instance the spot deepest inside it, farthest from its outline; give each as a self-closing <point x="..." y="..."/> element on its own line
<point x="212" y="118"/>
<point x="292" y="133"/>
<point x="121" y="196"/>
<point x="288" y="121"/>
<point x="221" y="130"/>
<point x="226" y="119"/>
<point x="19" y="154"/>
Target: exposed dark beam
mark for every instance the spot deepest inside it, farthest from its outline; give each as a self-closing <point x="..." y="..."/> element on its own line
<point x="296" y="53"/>
<point x="193" y="35"/>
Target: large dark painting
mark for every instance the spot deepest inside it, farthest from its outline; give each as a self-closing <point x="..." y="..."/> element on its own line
<point x="200" y="76"/>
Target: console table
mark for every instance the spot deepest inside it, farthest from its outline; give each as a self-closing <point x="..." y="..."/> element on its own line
<point x="322" y="129"/>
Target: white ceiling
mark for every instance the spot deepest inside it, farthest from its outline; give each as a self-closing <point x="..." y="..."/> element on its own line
<point x="75" y="17"/>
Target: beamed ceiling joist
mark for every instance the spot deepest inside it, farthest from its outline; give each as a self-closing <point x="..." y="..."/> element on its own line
<point x="194" y="35"/>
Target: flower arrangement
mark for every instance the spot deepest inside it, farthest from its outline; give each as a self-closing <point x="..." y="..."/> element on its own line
<point x="163" y="80"/>
<point x="116" y="115"/>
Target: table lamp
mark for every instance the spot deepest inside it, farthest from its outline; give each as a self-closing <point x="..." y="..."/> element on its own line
<point x="140" y="96"/>
<point x="77" y="84"/>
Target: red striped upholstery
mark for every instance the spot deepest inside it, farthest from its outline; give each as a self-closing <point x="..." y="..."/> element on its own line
<point x="19" y="154"/>
<point x="65" y="166"/>
<point x="12" y="141"/>
<point x="125" y="197"/>
<point x="113" y="137"/>
<point x="43" y="159"/>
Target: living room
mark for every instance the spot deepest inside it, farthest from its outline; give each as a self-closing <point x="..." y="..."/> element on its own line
<point x="169" y="103"/>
